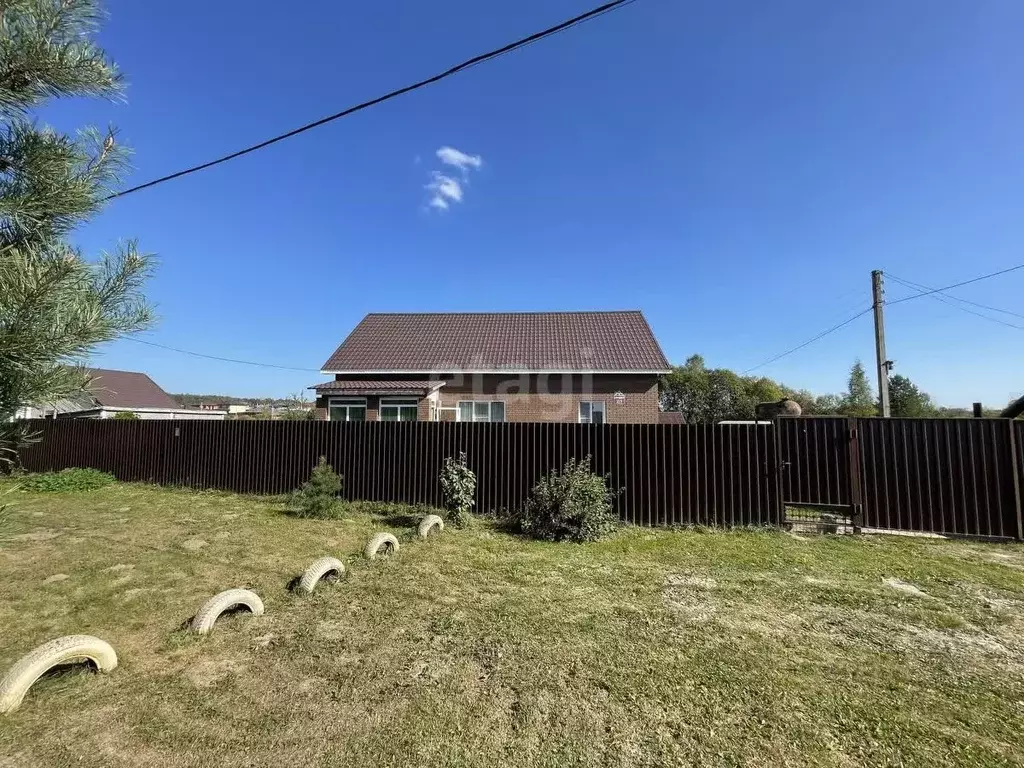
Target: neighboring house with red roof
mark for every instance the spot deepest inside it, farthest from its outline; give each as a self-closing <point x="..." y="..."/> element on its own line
<point x="590" y="367"/>
<point x="111" y="392"/>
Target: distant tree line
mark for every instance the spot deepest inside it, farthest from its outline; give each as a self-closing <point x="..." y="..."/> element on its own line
<point x="190" y="400"/>
<point x="705" y="394"/>
<point x="292" y="408"/>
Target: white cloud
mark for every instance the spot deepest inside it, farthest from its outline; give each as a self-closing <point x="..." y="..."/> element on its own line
<point x="446" y="186"/>
<point x="462" y="161"/>
<point x="445" y="189"/>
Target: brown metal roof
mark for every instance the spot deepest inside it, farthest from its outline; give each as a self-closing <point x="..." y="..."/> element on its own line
<point x="499" y="341"/>
<point x="380" y="387"/>
<point x="671" y="417"/>
<point x="127" y="389"/>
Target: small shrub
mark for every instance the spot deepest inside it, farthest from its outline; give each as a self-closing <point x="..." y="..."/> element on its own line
<point x="67" y="481"/>
<point x="126" y="416"/>
<point x="458" y="483"/>
<point x="576" y="505"/>
<point x="318" y="496"/>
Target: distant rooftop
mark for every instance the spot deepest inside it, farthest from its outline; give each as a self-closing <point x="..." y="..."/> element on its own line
<point x="127" y="389"/>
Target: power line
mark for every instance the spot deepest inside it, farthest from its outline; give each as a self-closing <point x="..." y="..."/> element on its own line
<point x="939" y="296"/>
<point x="956" y="285"/>
<point x="821" y="335"/>
<point x="919" y="287"/>
<point x="221" y="359"/>
<point x="521" y="43"/>
<point x="832" y="317"/>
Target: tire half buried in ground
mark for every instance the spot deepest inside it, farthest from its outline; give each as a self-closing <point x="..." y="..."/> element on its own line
<point x="70" y="649"/>
<point x="430" y="524"/>
<point x="380" y="544"/>
<point x="216" y="605"/>
<point x="319" y="569"/>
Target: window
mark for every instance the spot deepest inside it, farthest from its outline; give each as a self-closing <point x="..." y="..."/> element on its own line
<point x="346" y="409"/>
<point x="481" y="410"/>
<point x="398" y="409"/>
<point x="592" y="412"/>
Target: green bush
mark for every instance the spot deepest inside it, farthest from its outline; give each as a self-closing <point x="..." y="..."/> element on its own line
<point x="576" y="505"/>
<point x="126" y="416"/>
<point x="458" y="484"/>
<point x="318" y="496"/>
<point x="67" y="481"/>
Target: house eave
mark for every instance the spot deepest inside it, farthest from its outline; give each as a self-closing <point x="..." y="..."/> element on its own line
<point x="330" y="388"/>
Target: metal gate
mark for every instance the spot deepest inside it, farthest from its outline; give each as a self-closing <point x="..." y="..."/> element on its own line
<point x="819" y="472"/>
<point x="960" y="477"/>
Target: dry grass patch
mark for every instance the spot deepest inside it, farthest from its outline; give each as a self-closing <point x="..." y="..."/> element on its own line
<point x="476" y="648"/>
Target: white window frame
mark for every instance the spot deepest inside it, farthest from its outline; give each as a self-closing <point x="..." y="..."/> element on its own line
<point x="488" y="403"/>
<point x="601" y="406"/>
<point x="346" y="403"/>
<point x="398" y="402"/>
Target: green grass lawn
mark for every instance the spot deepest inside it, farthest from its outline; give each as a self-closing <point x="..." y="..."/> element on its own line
<point x="478" y="648"/>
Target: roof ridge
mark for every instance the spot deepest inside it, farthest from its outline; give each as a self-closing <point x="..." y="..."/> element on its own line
<point x="115" y="370"/>
<point x="518" y="312"/>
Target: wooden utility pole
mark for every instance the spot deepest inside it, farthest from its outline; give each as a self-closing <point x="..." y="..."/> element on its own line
<point x="878" y="295"/>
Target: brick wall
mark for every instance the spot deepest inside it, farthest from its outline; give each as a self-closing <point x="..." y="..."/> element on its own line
<point x="532" y="397"/>
<point x="556" y="398"/>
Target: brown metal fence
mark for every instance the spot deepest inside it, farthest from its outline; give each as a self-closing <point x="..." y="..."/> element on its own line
<point x="671" y="474"/>
<point x="954" y="476"/>
<point x="948" y="476"/>
<point x="814" y="455"/>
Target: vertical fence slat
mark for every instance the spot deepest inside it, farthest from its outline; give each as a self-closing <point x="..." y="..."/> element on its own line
<point x="1016" y="430"/>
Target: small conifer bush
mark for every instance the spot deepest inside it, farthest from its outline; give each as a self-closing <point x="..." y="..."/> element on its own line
<point x="318" y="496"/>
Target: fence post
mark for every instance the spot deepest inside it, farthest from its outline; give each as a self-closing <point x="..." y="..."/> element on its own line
<point x="780" y="466"/>
<point x="853" y="457"/>
<point x="1015" y="459"/>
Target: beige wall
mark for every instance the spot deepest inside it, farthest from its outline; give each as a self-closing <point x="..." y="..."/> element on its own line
<point x="552" y="397"/>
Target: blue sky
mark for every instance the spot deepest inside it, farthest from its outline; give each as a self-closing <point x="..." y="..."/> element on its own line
<point x="734" y="169"/>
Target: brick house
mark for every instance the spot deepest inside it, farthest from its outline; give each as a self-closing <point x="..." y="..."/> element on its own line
<point x="591" y="367"/>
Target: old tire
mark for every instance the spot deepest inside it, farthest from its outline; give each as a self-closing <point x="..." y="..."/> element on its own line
<point x="378" y="542"/>
<point x="216" y="605"/>
<point x="428" y="524"/>
<point x="317" y="571"/>
<point x="63" y="650"/>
